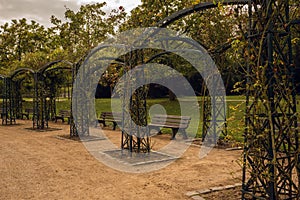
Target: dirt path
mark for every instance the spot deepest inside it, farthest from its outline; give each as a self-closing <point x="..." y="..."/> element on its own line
<point x="36" y="165"/>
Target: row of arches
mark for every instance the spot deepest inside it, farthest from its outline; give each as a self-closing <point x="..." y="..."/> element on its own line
<point x="39" y="87"/>
<point x="271" y="134"/>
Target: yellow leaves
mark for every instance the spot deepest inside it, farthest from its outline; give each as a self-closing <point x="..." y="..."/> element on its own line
<point x="196" y="2"/>
<point x="295" y="40"/>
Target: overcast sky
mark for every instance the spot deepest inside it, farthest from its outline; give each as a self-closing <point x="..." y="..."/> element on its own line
<point x="41" y="10"/>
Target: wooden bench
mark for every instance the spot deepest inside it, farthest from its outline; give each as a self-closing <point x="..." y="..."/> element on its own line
<point x="176" y="123"/>
<point x="110" y="117"/>
<point x="62" y="114"/>
<point x="27" y="112"/>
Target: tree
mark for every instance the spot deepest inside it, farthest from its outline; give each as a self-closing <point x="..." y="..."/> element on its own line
<point x="18" y="40"/>
<point x="215" y="29"/>
<point x="85" y="29"/>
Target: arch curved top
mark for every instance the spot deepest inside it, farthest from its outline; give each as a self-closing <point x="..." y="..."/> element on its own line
<point x="198" y="7"/>
<point x="103" y="46"/>
<point x="50" y="64"/>
<point x="20" y="71"/>
<point x="2" y="76"/>
<point x="57" y="68"/>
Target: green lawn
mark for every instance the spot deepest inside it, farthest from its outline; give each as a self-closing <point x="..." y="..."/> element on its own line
<point x="235" y="112"/>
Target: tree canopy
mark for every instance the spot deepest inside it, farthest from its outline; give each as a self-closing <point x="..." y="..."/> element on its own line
<point x="220" y="30"/>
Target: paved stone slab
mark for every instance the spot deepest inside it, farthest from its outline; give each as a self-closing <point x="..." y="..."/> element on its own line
<point x="204" y="191"/>
<point x="196" y="194"/>
<point x="197" y="198"/>
<point x="229" y="186"/>
<point x="192" y="193"/>
<point x="237" y="184"/>
<point x="213" y="189"/>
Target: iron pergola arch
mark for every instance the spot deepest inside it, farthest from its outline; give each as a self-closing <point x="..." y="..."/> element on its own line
<point x="50" y="83"/>
<point x="13" y="92"/>
<point x="208" y="103"/>
<point x="271" y="151"/>
<point x="12" y="99"/>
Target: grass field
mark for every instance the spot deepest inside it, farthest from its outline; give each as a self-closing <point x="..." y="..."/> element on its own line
<point x="235" y="112"/>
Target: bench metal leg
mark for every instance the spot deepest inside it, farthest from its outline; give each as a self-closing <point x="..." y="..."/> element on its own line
<point x="101" y="121"/>
<point x="115" y="125"/>
<point x="174" y="132"/>
<point x="159" y="131"/>
<point x="61" y="118"/>
<point x="26" y="115"/>
<point x="184" y="135"/>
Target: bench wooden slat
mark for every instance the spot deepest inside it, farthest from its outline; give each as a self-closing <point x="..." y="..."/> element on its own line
<point x="27" y="112"/>
<point x="171" y="121"/>
<point x="63" y="114"/>
<point x="169" y="125"/>
<point x="173" y="116"/>
<point x="174" y="122"/>
<point x="110" y="117"/>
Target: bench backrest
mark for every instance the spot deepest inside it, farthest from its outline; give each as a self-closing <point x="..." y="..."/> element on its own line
<point x="171" y="120"/>
<point x="66" y="113"/>
<point x="29" y="110"/>
<point x="111" y="115"/>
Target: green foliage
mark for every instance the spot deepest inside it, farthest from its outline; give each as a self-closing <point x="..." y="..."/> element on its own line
<point x="85" y="29"/>
<point x="220" y="30"/>
<point x="24" y="44"/>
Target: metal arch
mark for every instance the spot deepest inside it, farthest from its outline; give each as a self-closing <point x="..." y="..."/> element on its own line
<point x="295" y="22"/>
<point x="78" y="106"/>
<point x="260" y="185"/>
<point x="92" y="52"/>
<point x="158" y="55"/>
<point x="50" y="64"/>
<point x="21" y="70"/>
<point x="51" y="97"/>
<point x="198" y="7"/>
<point x="12" y="95"/>
<point x="271" y="139"/>
<point x="116" y="61"/>
<point x="209" y="102"/>
<point x="165" y="53"/>
<point x="47" y="108"/>
<point x="58" y="68"/>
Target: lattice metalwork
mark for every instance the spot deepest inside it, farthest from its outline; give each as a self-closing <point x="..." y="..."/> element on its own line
<point x="80" y="104"/>
<point x="74" y="104"/>
<point x="208" y="103"/>
<point x="8" y="114"/>
<point x="135" y="135"/>
<point x="17" y="96"/>
<point x="2" y="79"/>
<point x="271" y="137"/>
<point x="213" y="113"/>
<point x="40" y="115"/>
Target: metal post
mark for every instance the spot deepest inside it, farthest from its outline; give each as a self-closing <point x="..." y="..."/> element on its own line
<point x="271" y="138"/>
